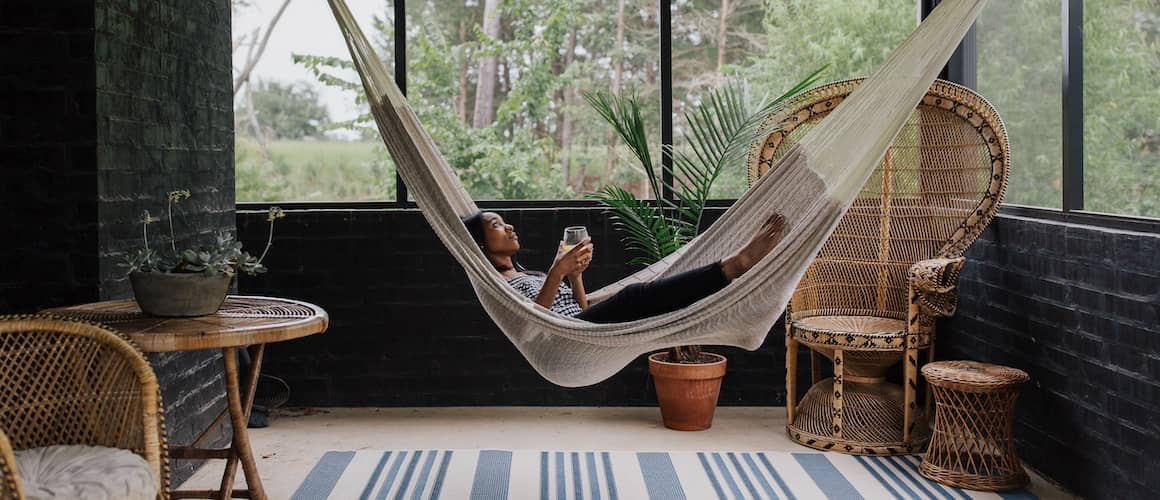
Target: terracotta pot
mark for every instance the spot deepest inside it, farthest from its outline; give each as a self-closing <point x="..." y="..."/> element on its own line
<point x="687" y="392"/>
<point x="179" y="294"/>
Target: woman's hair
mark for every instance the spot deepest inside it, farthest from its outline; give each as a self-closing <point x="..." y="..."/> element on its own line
<point x="474" y="224"/>
<point x="475" y="227"/>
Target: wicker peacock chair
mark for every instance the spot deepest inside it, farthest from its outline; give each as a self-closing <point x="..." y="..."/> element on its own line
<point x="872" y="294"/>
<point x="68" y="382"/>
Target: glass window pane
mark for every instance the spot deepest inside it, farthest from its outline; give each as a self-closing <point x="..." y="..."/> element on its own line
<point x="299" y="136"/>
<point x="1019" y="71"/>
<point x="1121" y="100"/>
<point x="772" y="46"/>
<point x="504" y="100"/>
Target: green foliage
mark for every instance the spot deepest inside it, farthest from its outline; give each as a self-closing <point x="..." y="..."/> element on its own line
<point x="514" y="170"/>
<point x="1019" y="72"/>
<point x="718" y="132"/>
<point x="223" y="256"/>
<point x="650" y="232"/>
<point x="1122" y="107"/>
<point x="514" y="157"/>
<point x="327" y="70"/>
<point x="769" y="43"/>
<point x="852" y="37"/>
<point x="522" y="153"/>
<point x="284" y="110"/>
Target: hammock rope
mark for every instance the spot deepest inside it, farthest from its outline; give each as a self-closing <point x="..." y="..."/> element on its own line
<point x="812" y="186"/>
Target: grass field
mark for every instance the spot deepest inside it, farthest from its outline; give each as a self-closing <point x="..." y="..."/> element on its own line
<point x="313" y="171"/>
<point x="300" y="170"/>
<point x="300" y="153"/>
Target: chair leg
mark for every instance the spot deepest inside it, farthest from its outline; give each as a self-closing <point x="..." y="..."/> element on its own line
<point x="838" y="393"/>
<point x="791" y="351"/>
<point x="910" y="375"/>
<point x="910" y="365"/>
<point x="815" y="367"/>
<point x="928" y="395"/>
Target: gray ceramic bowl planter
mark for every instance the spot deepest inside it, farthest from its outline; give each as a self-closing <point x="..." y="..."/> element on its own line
<point x="179" y="294"/>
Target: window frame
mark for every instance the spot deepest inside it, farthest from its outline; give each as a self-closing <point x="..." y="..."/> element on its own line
<point x="961" y="69"/>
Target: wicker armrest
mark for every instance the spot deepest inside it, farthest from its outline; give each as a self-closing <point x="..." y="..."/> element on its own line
<point x="933" y="281"/>
<point x="121" y="407"/>
<point x="9" y="482"/>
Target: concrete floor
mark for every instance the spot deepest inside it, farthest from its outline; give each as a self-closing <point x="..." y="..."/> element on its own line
<point x="295" y="439"/>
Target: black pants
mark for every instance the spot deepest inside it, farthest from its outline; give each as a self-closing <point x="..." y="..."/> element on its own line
<point x="642" y="300"/>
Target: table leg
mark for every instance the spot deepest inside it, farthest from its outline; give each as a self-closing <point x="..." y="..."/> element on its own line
<point x="239" y="419"/>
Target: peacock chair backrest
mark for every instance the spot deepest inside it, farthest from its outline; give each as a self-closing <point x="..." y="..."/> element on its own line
<point x="936" y="189"/>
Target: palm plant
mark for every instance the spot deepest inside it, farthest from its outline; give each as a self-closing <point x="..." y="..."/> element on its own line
<point x="719" y="133"/>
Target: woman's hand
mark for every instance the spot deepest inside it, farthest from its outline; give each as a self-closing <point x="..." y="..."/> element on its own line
<point x="573" y="262"/>
<point x="585" y="259"/>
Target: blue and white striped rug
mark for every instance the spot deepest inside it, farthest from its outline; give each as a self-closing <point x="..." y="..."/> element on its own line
<point x="619" y="475"/>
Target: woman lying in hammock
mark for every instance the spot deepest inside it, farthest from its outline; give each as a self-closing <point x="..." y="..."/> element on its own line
<point x="500" y="243"/>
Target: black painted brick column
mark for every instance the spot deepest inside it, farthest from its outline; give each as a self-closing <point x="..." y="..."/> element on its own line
<point x="1078" y="308"/>
<point x="165" y="122"/>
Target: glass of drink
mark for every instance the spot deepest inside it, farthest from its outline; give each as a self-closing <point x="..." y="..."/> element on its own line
<point x="573" y="235"/>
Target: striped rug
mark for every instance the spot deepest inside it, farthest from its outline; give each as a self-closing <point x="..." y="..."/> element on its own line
<point x="619" y="475"/>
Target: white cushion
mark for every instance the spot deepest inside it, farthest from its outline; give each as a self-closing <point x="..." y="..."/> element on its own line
<point x="84" y="473"/>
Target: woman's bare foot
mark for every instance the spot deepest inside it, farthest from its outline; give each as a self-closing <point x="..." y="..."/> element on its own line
<point x="767" y="237"/>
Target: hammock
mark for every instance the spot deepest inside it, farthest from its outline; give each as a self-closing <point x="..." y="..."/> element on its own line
<point x="812" y="186"/>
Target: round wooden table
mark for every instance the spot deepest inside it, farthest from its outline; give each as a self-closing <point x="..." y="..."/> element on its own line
<point x="242" y="321"/>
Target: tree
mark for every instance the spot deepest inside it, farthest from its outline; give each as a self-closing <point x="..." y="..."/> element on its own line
<point x="564" y="118"/>
<point x="485" y="85"/>
<point x="1019" y="72"/>
<point x="773" y="44"/>
<point x="286" y="110"/>
<point x="1122" y="107"/>
<point x="256" y="43"/>
<point x="617" y="76"/>
<point x="541" y="141"/>
<point x="1019" y="68"/>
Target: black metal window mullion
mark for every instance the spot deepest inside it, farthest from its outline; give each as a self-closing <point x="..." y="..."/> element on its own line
<point x="1072" y="34"/>
<point x="963" y="65"/>
<point x="400" y="80"/>
<point x="664" y="8"/>
<point x="962" y="68"/>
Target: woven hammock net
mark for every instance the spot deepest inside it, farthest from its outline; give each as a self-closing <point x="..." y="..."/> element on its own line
<point x="812" y="186"/>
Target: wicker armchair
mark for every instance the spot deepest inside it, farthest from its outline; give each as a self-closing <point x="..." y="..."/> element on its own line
<point x="67" y="382"/>
<point x="874" y="291"/>
<point x="9" y="485"/>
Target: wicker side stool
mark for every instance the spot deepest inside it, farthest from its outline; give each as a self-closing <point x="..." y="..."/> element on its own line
<point x="972" y="445"/>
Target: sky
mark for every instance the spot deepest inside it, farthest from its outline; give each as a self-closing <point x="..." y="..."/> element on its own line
<point x="307" y="27"/>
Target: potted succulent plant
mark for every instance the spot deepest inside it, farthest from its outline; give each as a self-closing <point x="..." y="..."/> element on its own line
<point x="688" y="381"/>
<point x="193" y="281"/>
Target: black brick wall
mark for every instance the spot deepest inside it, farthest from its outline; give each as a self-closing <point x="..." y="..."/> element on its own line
<point x="1078" y="308"/>
<point x="48" y="177"/>
<point x="164" y="122"/>
<point x="104" y="107"/>
<point x="407" y="330"/>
